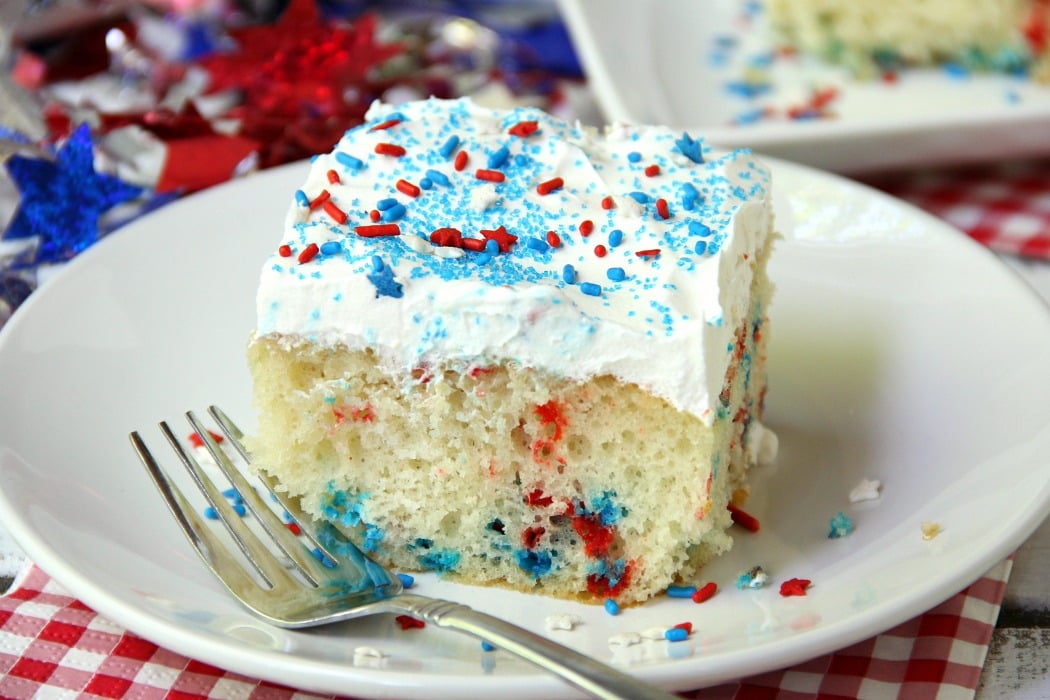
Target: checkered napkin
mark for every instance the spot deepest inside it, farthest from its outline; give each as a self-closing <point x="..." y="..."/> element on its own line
<point x="1004" y="206"/>
<point x="52" y="645"/>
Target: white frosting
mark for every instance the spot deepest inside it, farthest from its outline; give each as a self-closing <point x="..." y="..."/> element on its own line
<point x="668" y="326"/>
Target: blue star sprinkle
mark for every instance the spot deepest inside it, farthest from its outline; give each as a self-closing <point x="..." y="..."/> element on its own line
<point x="690" y="148"/>
<point x="63" y="199"/>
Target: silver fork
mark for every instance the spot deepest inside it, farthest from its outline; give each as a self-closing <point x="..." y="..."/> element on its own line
<point x="344" y="583"/>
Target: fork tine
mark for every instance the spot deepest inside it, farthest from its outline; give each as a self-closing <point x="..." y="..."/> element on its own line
<point x="196" y="530"/>
<point x="261" y="559"/>
<point x="330" y="542"/>
<point x="307" y="563"/>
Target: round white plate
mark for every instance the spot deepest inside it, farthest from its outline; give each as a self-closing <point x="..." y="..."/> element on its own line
<point x="900" y="351"/>
<point x="667" y="62"/>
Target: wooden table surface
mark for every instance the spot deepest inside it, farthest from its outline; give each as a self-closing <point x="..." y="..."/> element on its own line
<point x="1018" y="664"/>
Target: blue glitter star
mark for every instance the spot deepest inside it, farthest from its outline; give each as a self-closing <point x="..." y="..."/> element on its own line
<point x="63" y="199"/>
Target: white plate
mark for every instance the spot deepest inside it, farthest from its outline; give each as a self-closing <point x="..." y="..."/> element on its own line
<point x="657" y="62"/>
<point x="901" y="351"/>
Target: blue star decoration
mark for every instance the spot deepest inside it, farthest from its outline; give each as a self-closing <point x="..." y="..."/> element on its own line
<point x="62" y="200"/>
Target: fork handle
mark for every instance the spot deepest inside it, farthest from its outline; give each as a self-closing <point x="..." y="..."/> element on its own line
<point x="582" y="671"/>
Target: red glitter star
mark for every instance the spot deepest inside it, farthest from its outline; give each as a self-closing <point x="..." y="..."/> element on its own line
<point x="303" y="80"/>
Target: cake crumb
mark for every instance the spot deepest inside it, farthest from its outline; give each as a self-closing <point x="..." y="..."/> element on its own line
<point x="930" y="529"/>
<point x="866" y="490"/>
<point x="754" y="577"/>
<point x="563" y="621"/>
<point x="840" y="526"/>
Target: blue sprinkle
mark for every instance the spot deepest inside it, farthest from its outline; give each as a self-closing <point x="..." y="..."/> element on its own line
<point x="748" y="89"/>
<point x="210" y="513"/>
<point x="437" y="177"/>
<point x="440" y="561"/>
<point x="377" y="264"/>
<point x="301" y="199"/>
<point x="538" y="244"/>
<point x="568" y="274"/>
<point x="535" y="563"/>
<point x="640" y="197"/>
<point x="612" y="607"/>
<point x="382" y="278"/>
<point x="394" y="213"/>
<point x="323" y="558"/>
<point x="482" y="258"/>
<point x="384" y="204"/>
<point x="449" y="147"/>
<point x="239" y="509"/>
<point x="498" y="157"/>
<point x="615" y="237"/>
<point x="700" y="247"/>
<point x="680" y="591"/>
<point x="425" y="183"/>
<point x="349" y="161"/>
<point x="591" y="289"/>
<point x="485" y="646"/>
<point x="690" y="148"/>
<point x="407" y="580"/>
<point x="956" y="71"/>
<point x="616" y="274"/>
<point x="676" y="634"/>
<point x="492" y="247"/>
<point x="697" y="228"/>
<point x="233" y="494"/>
<point x="331" y="247"/>
<point x="521" y="160"/>
<point x="634" y="156"/>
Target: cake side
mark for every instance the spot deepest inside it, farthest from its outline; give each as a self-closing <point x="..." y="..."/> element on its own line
<point x="490" y="410"/>
<point x="868" y="37"/>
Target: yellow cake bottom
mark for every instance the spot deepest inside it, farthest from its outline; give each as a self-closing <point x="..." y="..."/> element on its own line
<point x="501" y="475"/>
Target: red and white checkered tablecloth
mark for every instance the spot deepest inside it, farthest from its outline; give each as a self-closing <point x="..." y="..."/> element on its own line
<point x="53" y="646"/>
<point x="1004" y="206"/>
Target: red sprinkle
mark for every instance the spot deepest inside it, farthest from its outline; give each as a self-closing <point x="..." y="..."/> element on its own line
<point x="524" y="129"/>
<point x="555" y="183"/>
<point x="285" y="251"/>
<point x="406" y="187"/>
<point x="375" y="215"/>
<point x="586" y="227"/>
<point x="333" y="177"/>
<point x="608" y="203"/>
<point x="294" y="528"/>
<point x="662" y="209"/>
<point x="374" y="230"/>
<point x="743" y="519"/>
<point x="335" y="212"/>
<point x="648" y="253"/>
<point x="196" y="440"/>
<point x="320" y="199"/>
<point x="553" y="239"/>
<point x="461" y="160"/>
<point x="504" y="240"/>
<point x="308" y="253"/>
<point x="687" y="626"/>
<point x="600" y="250"/>
<point x="653" y="170"/>
<point x="706" y="592"/>
<point x="390" y="149"/>
<point x="794" y="586"/>
<point x="474" y="244"/>
<point x="407" y="622"/>
<point x="385" y="125"/>
<point x="447" y="237"/>
<point x="489" y="175"/>
<point x="537" y="499"/>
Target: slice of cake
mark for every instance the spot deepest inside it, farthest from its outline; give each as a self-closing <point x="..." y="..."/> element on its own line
<point x="875" y="35"/>
<point x="517" y="351"/>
